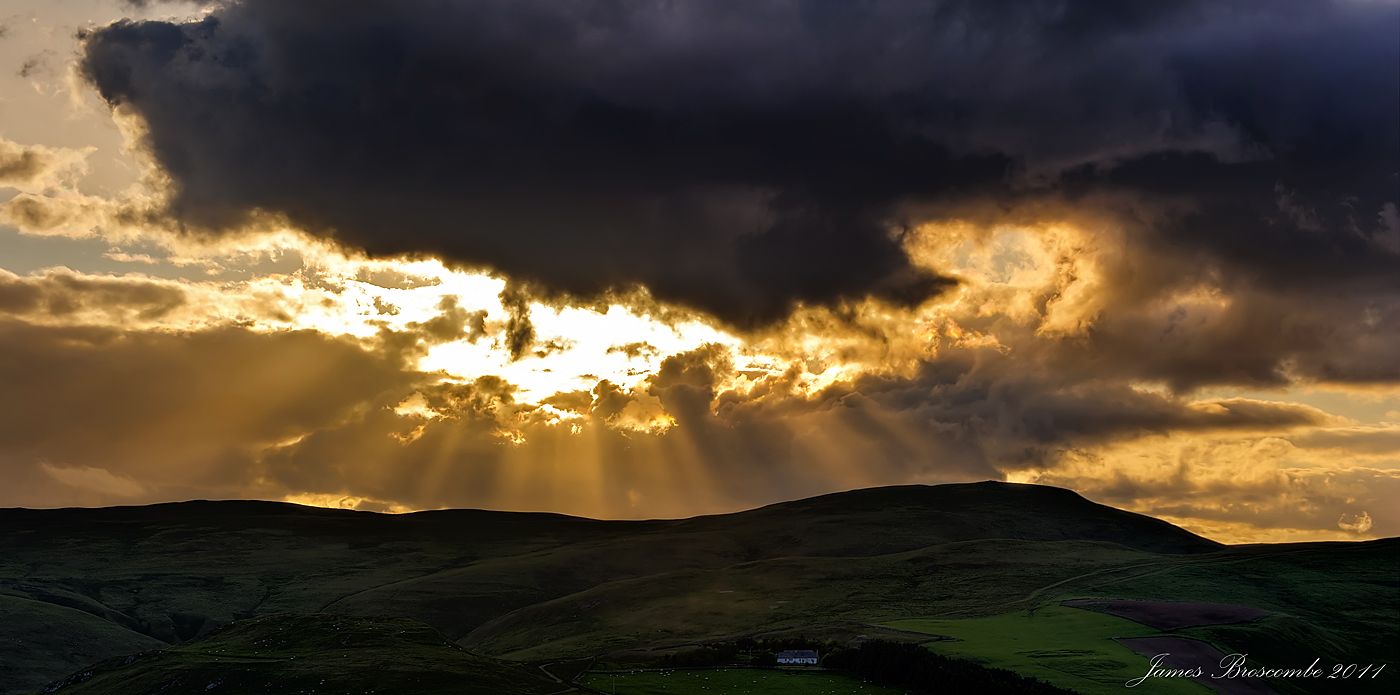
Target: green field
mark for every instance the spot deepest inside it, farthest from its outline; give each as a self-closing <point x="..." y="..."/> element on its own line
<point x="684" y="605"/>
<point x="736" y="681"/>
<point x="1063" y="646"/>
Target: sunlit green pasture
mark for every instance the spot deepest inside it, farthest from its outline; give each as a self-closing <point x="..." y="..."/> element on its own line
<point x="1064" y="646"/>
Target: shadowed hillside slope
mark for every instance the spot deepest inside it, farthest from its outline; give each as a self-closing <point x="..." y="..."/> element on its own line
<point x="306" y="654"/>
<point x="121" y="579"/>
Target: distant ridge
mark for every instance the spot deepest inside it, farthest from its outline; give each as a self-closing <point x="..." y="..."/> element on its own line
<point x="932" y="514"/>
<point x="871" y="521"/>
<point x="234" y="508"/>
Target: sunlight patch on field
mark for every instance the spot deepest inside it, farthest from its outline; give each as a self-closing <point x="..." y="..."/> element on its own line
<point x="1063" y="646"/>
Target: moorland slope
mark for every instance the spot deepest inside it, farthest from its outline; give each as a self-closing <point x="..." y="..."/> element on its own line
<point x="121" y="580"/>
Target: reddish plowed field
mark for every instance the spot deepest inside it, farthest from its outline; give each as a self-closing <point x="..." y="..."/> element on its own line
<point x="1187" y="654"/>
<point x="1170" y="615"/>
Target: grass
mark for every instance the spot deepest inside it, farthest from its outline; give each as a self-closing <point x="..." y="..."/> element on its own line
<point x="734" y="681"/>
<point x="676" y="607"/>
<point x="548" y="587"/>
<point x="1063" y="646"/>
<point x="297" y="653"/>
<point x="1284" y="641"/>
<point x="55" y="638"/>
<point x="172" y="572"/>
<point x="1342" y="597"/>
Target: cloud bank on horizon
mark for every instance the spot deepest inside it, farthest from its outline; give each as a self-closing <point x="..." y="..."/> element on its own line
<point x="652" y="258"/>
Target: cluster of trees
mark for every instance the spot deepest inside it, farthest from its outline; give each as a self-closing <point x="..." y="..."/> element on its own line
<point x="713" y="655"/>
<point x="912" y="667"/>
<point x="752" y="652"/>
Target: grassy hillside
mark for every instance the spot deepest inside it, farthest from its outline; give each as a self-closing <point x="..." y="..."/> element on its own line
<point x="958" y="579"/>
<point x="1344" y="595"/>
<point x="298" y="653"/>
<point x="1068" y="647"/>
<point x="44" y="640"/>
<point x="546" y="586"/>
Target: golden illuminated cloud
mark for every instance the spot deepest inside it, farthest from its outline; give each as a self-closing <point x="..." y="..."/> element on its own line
<point x="623" y="406"/>
<point x="810" y="284"/>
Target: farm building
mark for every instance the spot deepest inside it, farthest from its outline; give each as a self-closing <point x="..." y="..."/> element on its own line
<point x="797" y="656"/>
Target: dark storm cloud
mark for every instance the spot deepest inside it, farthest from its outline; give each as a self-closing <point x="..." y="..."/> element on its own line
<point x="1258" y="340"/>
<point x="1006" y="416"/>
<point x="520" y="332"/>
<point x="739" y="156"/>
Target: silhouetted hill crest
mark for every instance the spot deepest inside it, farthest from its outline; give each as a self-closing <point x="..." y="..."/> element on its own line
<point x="865" y="522"/>
<point x="889" y="519"/>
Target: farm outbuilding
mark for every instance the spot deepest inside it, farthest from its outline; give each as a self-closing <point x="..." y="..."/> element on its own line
<point x="797" y="656"/>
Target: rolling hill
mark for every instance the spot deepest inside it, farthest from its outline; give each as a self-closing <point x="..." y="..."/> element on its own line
<point x="120" y="580"/>
<point x="299" y="653"/>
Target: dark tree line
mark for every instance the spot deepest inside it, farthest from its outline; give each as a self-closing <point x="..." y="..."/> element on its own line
<point x="912" y="667"/>
<point x="745" y="650"/>
<point x="904" y="665"/>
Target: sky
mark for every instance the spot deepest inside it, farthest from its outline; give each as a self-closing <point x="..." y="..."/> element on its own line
<point x="652" y="258"/>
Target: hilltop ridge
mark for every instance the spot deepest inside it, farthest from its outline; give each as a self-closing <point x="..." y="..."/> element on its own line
<point x="890" y="519"/>
<point x="923" y="515"/>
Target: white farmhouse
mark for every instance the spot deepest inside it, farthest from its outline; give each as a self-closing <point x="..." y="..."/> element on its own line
<point x="798" y="656"/>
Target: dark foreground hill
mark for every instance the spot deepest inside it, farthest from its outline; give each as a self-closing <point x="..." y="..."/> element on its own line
<point x="80" y="585"/>
<point x="296" y="653"/>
